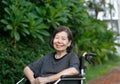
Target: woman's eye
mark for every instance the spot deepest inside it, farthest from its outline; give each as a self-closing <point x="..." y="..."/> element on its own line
<point x="56" y="37"/>
<point x="64" y="38"/>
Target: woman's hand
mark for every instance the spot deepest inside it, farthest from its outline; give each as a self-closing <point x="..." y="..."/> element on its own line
<point x="32" y="81"/>
<point x="41" y="80"/>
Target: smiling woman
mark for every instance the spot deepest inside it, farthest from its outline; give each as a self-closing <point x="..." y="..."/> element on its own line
<point x="61" y="42"/>
<point x="52" y="66"/>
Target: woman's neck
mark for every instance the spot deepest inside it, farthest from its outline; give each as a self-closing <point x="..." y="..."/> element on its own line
<point x="60" y="54"/>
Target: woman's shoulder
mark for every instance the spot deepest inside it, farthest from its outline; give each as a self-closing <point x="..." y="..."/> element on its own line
<point x="72" y="54"/>
<point x="49" y="55"/>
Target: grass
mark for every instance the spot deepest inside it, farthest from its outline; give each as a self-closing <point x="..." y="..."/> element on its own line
<point x="93" y="72"/>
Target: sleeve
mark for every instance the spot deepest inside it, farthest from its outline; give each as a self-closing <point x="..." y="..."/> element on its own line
<point x="36" y="66"/>
<point x="74" y="62"/>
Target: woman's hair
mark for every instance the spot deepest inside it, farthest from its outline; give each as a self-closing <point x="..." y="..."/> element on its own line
<point x="69" y="33"/>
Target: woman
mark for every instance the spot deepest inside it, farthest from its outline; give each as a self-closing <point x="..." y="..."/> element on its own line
<point x="53" y="65"/>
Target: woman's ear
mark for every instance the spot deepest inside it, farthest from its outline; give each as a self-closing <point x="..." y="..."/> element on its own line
<point x="69" y="43"/>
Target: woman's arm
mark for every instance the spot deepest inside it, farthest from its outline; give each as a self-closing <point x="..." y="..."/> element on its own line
<point x="29" y="74"/>
<point x="69" y="71"/>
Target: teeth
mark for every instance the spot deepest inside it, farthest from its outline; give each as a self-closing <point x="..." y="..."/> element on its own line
<point x="58" y="46"/>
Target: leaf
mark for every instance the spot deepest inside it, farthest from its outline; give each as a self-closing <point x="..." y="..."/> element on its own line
<point x="62" y="19"/>
<point x="16" y="35"/>
<point x="9" y="27"/>
<point x="5" y="2"/>
<point x="7" y="11"/>
<point x="41" y="38"/>
<point x="38" y="10"/>
<point x="39" y="21"/>
<point x="32" y="15"/>
<point x="43" y="32"/>
<point x="26" y="31"/>
<point x="4" y="21"/>
<point x="41" y="26"/>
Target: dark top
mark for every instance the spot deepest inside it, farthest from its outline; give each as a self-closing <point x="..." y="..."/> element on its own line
<point x="48" y="65"/>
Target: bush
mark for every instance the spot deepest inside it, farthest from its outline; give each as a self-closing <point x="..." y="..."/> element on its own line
<point x="13" y="60"/>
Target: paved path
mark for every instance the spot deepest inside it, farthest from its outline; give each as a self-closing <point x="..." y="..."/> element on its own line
<point x="112" y="77"/>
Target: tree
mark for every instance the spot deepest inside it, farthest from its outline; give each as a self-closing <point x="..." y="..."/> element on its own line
<point x="20" y="20"/>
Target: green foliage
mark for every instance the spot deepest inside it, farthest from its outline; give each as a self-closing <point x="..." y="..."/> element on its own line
<point x="28" y="23"/>
<point x="95" y="37"/>
<point x="13" y="60"/>
<point x="20" y="19"/>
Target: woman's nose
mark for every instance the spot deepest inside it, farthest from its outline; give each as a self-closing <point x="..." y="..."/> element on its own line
<point x="59" y="40"/>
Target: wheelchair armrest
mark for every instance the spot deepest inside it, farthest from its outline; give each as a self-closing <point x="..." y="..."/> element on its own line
<point x="69" y="77"/>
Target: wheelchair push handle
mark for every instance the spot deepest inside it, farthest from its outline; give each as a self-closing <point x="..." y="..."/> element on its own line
<point x="87" y="57"/>
<point x="90" y="54"/>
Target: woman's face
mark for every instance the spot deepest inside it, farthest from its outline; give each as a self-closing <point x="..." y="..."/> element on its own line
<point x="61" y="42"/>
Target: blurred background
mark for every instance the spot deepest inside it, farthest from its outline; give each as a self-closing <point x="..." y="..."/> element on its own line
<point x="26" y="27"/>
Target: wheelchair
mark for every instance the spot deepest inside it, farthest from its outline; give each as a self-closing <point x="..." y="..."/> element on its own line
<point x="66" y="79"/>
